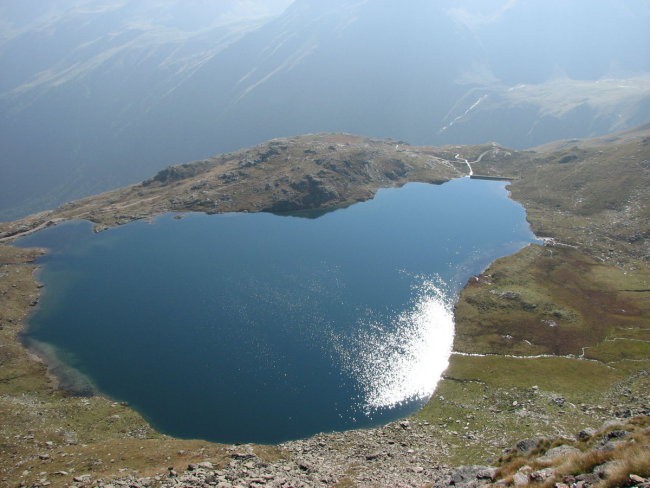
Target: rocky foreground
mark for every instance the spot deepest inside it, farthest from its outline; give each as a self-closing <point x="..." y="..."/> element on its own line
<point x="617" y="454"/>
<point x="398" y="454"/>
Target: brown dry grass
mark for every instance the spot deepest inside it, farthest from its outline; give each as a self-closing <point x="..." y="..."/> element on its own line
<point x="632" y="459"/>
<point x="584" y="463"/>
<point x="508" y="470"/>
<point x="631" y="456"/>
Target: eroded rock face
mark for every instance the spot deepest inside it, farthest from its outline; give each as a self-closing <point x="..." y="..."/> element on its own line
<point x="315" y="192"/>
<point x="526" y="446"/>
<point x="555" y="453"/>
<point x="585" y="434"/>
<point x="180" y="172"/>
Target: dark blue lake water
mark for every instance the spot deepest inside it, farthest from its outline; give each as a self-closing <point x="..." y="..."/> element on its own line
<point x="259" y="327"/>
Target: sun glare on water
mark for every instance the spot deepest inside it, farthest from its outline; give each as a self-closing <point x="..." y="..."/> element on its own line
<point x="403" y="360"/>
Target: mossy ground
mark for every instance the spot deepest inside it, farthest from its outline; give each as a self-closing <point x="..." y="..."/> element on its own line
<point x="595" y="352"/>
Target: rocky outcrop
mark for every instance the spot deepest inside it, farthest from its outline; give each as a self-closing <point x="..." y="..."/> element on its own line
<point x="181" y="172"/>
<point x="310" y="192"/>
<point x="587" y="460"/>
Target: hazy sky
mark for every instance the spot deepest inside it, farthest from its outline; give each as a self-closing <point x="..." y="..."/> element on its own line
<point x="17" y="16"/>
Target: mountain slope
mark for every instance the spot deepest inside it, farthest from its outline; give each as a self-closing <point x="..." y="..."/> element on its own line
<point x="124" y="89"/>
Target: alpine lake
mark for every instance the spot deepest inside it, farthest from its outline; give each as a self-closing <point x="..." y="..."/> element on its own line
<point x="255" y="327"/>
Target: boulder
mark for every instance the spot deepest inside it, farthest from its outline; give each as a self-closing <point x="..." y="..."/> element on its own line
<point x="585" y="434"/>
<point x="557" y="452"/>
<point x="467" y="476"/>
<point x="526" y="446"/>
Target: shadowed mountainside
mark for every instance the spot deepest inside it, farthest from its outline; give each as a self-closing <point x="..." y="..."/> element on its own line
<point x="126" y="88"/>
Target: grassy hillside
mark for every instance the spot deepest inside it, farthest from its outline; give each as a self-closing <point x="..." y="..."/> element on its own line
<point x="582" y="302"/>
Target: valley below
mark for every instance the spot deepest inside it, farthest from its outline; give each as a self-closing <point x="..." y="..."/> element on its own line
<point x="549" y="341"/>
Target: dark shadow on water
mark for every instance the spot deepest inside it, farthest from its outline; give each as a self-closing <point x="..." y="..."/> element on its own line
<point x="307" y="214"/>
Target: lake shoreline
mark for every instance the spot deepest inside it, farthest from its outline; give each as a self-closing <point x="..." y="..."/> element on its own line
<point x="497" y="409"/>
<point x="378" y="388"/>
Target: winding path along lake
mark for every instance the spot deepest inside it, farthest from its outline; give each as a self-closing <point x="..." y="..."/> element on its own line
<point x="263" y="328"/>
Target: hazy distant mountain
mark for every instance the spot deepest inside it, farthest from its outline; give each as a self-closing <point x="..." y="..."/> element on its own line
<point x="565" y="69"/>
<point x="364" y="67"/>
<point x="77" y="75"/>
<point x="103" y="94"/>
<point x="529" y="115"/>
